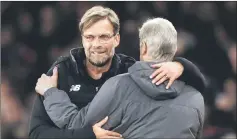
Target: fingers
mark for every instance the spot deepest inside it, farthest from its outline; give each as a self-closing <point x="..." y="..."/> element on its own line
<point x="158" y="77"/>
<point x="156" y="72"/>
<point x="170" y="83"/>
<point x="43" y="76"/>
<point x="102" y="122"/>
<point x="39" y="79"/>
<point x="173" y="69"/>
<point x="37" y="86"/>
<point x="114" y="134"/>
<point x="164" y="78"/>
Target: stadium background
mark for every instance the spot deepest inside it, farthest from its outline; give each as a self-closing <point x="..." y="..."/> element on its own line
<point x="34" y="34"/>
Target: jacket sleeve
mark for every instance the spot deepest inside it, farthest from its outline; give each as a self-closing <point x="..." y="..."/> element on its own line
<point x="65" y="114"/>
<point x="41" y="125"/>
<point x="192" y="75"/>
<point x="61" y="110"/>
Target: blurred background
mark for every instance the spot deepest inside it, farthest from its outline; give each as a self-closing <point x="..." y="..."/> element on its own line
<point x="34" y="34"/>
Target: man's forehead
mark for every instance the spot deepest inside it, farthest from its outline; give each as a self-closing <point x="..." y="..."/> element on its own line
<point x="100" y="27"/>
<point x="98" y="33"/>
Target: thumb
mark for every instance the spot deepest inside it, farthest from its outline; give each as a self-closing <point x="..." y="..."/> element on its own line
<point x="55" y="73"/>
<point x="102" y="122"/>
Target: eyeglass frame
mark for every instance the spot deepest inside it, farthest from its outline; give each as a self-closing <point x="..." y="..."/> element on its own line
<point x="104" y="41"/>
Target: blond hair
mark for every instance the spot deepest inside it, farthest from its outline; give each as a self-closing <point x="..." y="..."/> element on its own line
<point x="97" y="13"/>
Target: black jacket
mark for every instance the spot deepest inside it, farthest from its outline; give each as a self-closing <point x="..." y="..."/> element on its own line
<point x="81" y="89"/>
<point x="136" y="107"/>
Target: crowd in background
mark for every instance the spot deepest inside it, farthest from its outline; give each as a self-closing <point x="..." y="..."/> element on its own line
<point x="34" y="34"/>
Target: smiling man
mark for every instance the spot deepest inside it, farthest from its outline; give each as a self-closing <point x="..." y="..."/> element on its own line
<point x="99" y="42"/>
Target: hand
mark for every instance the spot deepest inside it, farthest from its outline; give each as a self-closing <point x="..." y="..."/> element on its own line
<point x="46" y="82"/>
<point x="165" y="71"/>
<point x="102" y="133"/>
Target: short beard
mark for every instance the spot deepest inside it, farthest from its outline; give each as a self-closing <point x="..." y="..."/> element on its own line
<point x="100" y="64"/>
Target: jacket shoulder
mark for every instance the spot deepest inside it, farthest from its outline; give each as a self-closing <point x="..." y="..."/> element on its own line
<point x="61" y="59"/>
<point x="126" y="61"/>
<point x="191" y="99"/>
<point x="194" y="98"/>
<point x="59" y="62"/>
<point x="122" y="81"/>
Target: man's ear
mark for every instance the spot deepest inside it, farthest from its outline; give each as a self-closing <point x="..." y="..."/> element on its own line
<point x="117" y="40"/>
<point x="143" y="48"/>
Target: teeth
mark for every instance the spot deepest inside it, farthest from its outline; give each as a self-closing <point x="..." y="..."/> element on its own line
<point x="98" y="52"/>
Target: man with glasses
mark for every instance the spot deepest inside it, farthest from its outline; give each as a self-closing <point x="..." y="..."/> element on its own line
<point x="84" y="71"/>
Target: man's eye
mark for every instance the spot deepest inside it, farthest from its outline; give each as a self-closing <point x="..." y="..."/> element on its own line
<point x="104" y="37"/>
<point x="89" y="37"/>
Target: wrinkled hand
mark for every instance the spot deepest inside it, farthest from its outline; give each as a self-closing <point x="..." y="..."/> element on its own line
<point x="46" y="82"/>
<point x="166" y="71"/>
<point x="102" y="133"/>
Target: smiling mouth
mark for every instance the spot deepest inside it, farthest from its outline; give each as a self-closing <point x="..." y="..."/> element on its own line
<point x="97" y="52"/>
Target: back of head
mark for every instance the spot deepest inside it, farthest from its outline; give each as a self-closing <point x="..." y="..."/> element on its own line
<point x="97" y="13"/>
<point x="160" y="37"/>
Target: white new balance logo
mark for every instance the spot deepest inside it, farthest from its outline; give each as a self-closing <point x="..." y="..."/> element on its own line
<point x="97" y="89"/>
<point x="75" y="88"/>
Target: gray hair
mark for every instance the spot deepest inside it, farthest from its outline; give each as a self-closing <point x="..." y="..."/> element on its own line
<point x="160" y="37"/>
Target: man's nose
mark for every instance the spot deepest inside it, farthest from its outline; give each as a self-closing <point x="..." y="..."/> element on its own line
<point x="96" y="42"/>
